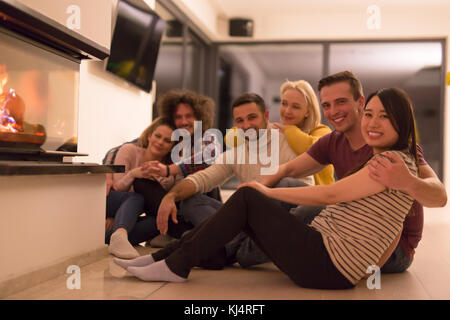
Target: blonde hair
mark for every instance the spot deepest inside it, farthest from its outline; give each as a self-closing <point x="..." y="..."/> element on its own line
<point x="302" y="86"/>
<point x="160" y="121"/>
<point x="143" y="139"/>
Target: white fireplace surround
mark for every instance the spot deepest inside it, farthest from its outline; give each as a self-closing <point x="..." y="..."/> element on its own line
<point x="48" y="222"/>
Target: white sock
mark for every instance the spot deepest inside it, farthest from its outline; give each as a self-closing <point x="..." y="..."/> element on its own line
<point x="138" y="262"/>
<point x="158" y="271"/>
<point x="121" y="247"/>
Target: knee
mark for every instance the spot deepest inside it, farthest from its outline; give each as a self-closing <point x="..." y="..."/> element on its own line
<point x="245" y="195"/>
<point x="245" y="191"/>
<point x="137" y="198"/>
<point x="187" y="207"/>
<point x="199" y="200"/>
<point x="283" y="183"/>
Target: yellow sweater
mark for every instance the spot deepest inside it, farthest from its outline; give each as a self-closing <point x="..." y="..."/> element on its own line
<point x="299" y="142"/>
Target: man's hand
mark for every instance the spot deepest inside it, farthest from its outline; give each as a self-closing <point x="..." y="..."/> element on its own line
<point x="392" y="172"/>
<point x="166" y="209"/>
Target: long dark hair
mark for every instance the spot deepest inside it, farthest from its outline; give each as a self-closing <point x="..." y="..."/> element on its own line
<point x="399" y="109"/>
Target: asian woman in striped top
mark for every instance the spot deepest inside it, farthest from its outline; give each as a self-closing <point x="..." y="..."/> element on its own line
<point x="359" y="227"/>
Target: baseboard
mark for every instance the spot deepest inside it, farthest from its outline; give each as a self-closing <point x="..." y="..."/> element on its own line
<point x="34" y="278"/>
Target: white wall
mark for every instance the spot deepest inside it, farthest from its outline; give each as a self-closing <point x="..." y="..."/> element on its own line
<point x="111" y="111"/>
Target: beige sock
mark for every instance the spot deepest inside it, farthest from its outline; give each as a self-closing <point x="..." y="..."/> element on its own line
<point x="157" y="271"/>
<point x="142" y="261"/>
<point x="121" y="247"/>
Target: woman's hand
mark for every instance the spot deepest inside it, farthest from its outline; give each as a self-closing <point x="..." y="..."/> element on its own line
<point x="258" y="186"/>
<point x="156" y="168"/>
<point x="109" y="183"/>
<point x="279" y="126"/>
<point x="142" y="172"/>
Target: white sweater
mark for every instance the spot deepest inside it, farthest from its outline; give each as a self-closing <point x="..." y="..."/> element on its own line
<point x="222" y="170"/>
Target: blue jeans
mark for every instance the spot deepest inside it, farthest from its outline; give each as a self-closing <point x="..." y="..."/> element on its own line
<point x="242" y="248"/>
<point x="198" y="208"/>
<point x="126" y="208"/>
<point x="398" y="262"/>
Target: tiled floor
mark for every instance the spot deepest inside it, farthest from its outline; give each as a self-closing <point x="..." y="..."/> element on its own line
<point x="428" y="278"/>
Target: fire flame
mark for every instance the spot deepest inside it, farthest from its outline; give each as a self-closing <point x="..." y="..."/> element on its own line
<point x="7" y="122"/>
<point x="3" y="81"/>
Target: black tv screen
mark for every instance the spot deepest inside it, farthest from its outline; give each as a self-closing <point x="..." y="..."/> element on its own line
<point x="135" y="44"/>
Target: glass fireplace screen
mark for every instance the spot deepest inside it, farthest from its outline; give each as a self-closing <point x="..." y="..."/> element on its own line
<point x="38" y="96"/>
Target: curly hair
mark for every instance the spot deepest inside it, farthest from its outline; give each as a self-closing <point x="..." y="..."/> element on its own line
<point x="203" y="106"/>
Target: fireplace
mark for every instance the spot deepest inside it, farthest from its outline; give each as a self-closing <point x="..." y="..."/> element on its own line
<point x="38" y="97"/>
<point x="39" y="84"/>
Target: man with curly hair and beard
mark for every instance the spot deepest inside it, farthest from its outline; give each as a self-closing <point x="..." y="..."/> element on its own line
<point x="183" y="107"/>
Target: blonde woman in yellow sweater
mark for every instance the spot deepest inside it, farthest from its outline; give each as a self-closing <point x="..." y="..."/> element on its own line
<point x="300" y="123"/>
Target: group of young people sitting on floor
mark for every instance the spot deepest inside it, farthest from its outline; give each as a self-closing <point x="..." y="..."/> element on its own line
<point x="320" y="232"/>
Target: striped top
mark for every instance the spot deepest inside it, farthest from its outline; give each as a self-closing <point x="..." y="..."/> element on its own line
<point x="356" y="233"/>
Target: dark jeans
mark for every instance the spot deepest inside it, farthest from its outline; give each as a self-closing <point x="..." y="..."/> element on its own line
<point x="126" y="208"/>
<point x="153" y="194"/>
<point x="297" y="249"/>
<point x="242" y="248"/>
<point x="398" y="262"/>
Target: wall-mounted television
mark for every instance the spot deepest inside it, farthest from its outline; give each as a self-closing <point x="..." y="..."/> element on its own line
<point x="135" y="43"/>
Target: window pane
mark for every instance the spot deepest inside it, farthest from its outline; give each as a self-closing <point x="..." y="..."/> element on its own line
<point x="168" y="73"/>
<point x="262" y="68"/>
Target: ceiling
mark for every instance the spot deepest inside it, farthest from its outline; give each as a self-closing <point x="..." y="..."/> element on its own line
<point x="258" y="8"/>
